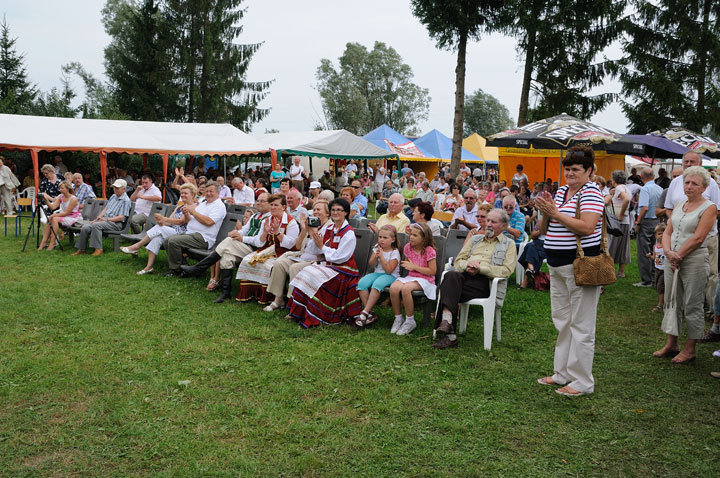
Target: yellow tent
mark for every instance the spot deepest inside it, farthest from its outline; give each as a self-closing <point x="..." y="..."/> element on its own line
<point x="476" y="145"/>
<point x="540" y="164"/>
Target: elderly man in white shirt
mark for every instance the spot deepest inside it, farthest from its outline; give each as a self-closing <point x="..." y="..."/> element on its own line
<point x="225" y="193"/>
<point x="676" y="194"/>
<point x="294" y="207"/>
<point x="242" y="193"/>
<point x="202" y="229"/>
<point x="465" y="218"/>
<point x="143" y="197"/>
<point x="296" y="173"/>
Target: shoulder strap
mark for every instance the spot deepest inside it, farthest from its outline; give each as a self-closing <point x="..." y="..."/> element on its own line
<point x="603" y="246"/>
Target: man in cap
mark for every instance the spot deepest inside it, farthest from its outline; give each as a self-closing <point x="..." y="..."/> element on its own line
<point x="111" y="218"/>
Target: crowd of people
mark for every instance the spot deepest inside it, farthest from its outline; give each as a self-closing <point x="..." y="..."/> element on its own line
<point x="294" y="249"/>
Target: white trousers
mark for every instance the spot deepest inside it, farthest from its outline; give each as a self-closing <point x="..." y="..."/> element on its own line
<point x="574" y="310"/>
<point x="231" y="252"/>
<point x="158" y="234"/>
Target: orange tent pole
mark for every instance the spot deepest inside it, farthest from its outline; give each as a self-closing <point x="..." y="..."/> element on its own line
<point x="103" y="173"/>
<point x="36" y="170"/>
<point x="273" y="158"/>
<point x="165" y="166"/>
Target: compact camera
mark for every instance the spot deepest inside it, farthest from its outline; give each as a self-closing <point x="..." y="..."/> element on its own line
<point x="313" y="221"/>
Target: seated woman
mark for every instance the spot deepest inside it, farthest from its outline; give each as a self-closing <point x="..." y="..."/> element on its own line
<point x="165" y="227"/>
<point x="532" y="257"/>
<point x="279" y="234"/>
<point x="348" y="194"/>
<point x="290" y="263"/>
<point x="422" y="214"/>
<point x="325" y="293"/>
<point x="66" y="216"/>
<point x="454" y="200"/>
<point x="409" y="191"/>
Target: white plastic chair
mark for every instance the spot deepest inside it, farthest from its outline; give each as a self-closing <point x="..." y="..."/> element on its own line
<point x="491" y="313"/>
<point x="519" y="269"/>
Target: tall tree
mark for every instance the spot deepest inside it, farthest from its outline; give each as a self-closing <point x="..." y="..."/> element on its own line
<point x="57" y="102"/>
<point x="16" y="92"/>
<point x="562" y="41"/>
<point x="371" y="88"/>
<point x="138" y="60"/>
<point x="485" y="115"/>
<point x="452" y="23"/>
<point x="100" y="100"/>
<point x="212" y="68"/>
<point x="671" y="65"/>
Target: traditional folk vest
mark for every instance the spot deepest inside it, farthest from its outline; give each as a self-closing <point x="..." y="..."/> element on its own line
<point x="332" y="240"/>
<point x="272" y="239"/>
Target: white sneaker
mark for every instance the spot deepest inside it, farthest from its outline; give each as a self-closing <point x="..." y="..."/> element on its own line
<point x="407" y="327"/>
<point x="396" y="325"/>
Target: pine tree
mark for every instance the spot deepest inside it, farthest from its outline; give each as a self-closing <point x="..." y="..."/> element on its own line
<point x="211" y="68"/>
<point x="57" y="103"/>
<point x="452" y="23"/>
<point x="671" y="65"/>
<point x="16" y="93"/>
<point x="138" y="61"/>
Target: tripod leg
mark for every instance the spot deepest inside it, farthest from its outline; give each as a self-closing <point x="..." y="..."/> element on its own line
<point x="30" y="228"/>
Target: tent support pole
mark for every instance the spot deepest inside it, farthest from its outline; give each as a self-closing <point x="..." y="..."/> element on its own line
<point x="165" y="172"/>
<point x="36" y="171"/>
<point x="103" y="173"/>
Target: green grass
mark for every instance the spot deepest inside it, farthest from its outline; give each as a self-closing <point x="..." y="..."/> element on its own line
<point x="93" y="361"/>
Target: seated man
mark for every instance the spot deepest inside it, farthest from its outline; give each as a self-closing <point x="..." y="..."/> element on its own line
<point x="239" y="243"/>
<point x="111" y="218"/>
<point x="294" y="204"/>
<point x="202" y="229"/>
<point x="143" y="197"/>
<point x="516" y="228"/>
<point x="394" y="217"/>
<point x="482" y="258"/>
<point x="225" y="193"/>
<point x="242" y="193"/>
<point x="83" y="190"/>
<point x="465" y="218"/>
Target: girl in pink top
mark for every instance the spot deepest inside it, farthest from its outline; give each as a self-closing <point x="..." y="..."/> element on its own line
<point x="421" y="266"/>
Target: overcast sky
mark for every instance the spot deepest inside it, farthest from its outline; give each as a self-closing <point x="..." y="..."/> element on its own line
<point x="295" y="36"/>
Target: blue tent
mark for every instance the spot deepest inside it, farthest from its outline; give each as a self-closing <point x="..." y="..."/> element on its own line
<point x="440" y="146"/>
<point x="404" y="147"/>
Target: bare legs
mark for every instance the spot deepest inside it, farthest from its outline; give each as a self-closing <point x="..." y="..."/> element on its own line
<point x="369" y="299"/>
<point x="55" y="224"/>
<point x="142" y="242"/>
<point x="401" y="295"/>
<point x="214" y="276"/>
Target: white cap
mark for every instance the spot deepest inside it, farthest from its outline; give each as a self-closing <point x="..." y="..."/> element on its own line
<point x="315" y="185"/>
<point x="119" y="183"/>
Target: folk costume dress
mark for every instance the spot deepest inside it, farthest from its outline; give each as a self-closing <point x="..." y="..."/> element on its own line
<point x="254" y="270"/>
<point x="325" y="293"/>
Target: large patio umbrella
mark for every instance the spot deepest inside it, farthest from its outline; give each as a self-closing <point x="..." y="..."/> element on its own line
<point x="562" y="132"/>
<point x="689" y="141"/>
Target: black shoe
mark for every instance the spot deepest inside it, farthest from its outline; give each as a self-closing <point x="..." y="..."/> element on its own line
<point x="531" y="274"/>
<point x="445" y="343"/>
<point x="170" y="273"/>
<point x="445" y="327"/>
<point x="226" y="283"/>
<point x="199" y="268"/>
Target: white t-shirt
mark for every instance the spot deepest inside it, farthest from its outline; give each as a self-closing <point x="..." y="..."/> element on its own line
<point x="215" y="211"/>
<point x="676" y="193"/>
<point x="246" y="196"/>
<point x="296" y="172"/>
<point x="467" y="216"/>
<point x="389" y="256"/>
<point x="143" y="206"/>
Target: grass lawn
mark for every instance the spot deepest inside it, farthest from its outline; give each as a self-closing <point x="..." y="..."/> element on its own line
<point x="104" y="373"/>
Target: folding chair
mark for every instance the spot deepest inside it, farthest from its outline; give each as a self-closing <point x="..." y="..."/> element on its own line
<point x="227" y="225"/>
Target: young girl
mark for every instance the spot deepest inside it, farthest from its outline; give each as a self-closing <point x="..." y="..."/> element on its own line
<point x="419" y="260"/>
<point x="658" y="257"/>
<point x="385" y="258"/>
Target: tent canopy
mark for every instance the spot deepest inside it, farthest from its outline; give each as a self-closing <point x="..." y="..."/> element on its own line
<point x="476" y="145"/>
<point x="339" y="144"/>
<point x="388" y="139"/>
<point x="122" y="136"/>
<point x="439" y="146"/>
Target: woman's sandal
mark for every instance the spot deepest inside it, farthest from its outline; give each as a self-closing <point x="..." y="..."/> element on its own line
<point x="273" y="306"/>
<point x="546" y="381"/>
<point x="657" y="308"/>
<point x="667" y="353"/>
<point x="212" y="285"/>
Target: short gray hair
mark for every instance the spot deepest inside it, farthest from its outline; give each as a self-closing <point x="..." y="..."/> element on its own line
<point x="212" y="184"/>
<point x="619" y="176"/>
<point x="504" y="218"/>
<point x="48" y="167"/>
<point x="698" y="171"/>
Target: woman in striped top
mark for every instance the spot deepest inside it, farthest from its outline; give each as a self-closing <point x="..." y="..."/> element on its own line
<point x="574" y="308"/>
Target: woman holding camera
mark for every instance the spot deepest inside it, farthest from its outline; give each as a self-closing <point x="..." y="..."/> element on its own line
<point x="68" y="213"/>
<point x="290" y="263"/>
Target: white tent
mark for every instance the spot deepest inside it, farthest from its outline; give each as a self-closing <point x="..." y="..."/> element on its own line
<point x="332" y="144"/>
<point x="38" y="133"/>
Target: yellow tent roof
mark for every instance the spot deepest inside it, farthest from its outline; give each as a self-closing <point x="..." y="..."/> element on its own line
<point x="476" y="145"/>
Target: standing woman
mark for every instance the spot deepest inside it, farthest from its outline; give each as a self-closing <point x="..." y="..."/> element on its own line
<point x="574" y="308"/>
<point x="619" y="201"/>
<point x="684" y="243"/>
<point x="67" y="215"/>
<point x="326" y="293"/>
<point x="8" y="186"/>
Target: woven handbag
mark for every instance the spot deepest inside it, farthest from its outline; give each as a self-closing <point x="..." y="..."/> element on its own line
<point x="593" y="270"/>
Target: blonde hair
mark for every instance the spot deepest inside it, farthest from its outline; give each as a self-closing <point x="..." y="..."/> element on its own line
<point x="68" y="186"/>
<point x="47" y="168"/>
<point x="193" y="189"/>
<point x="698" y="171"/>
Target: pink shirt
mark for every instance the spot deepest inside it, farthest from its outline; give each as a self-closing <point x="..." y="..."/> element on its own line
<point x="421" y="260"/>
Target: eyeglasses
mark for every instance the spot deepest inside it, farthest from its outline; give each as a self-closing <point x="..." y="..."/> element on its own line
<point x="509" y="206"/>
<point x="356" y="187"/>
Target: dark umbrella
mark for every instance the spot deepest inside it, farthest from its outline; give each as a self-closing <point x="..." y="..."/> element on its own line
<point x="562" y="132"/>
<point x="688" y="140"/>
